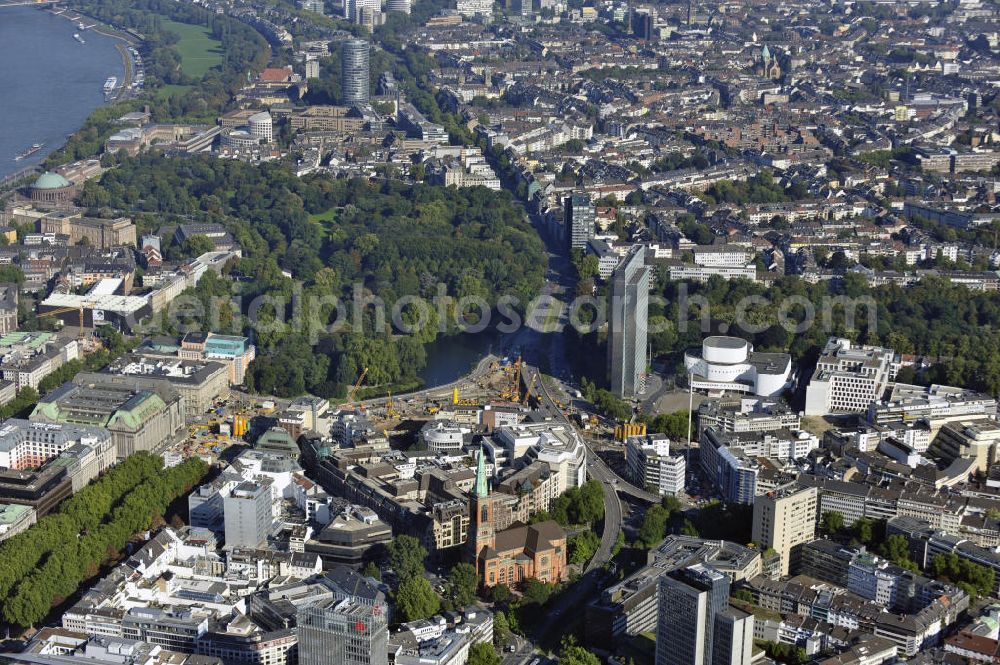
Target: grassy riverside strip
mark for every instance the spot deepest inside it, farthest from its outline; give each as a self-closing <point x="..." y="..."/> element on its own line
<point x="88" y="531"/>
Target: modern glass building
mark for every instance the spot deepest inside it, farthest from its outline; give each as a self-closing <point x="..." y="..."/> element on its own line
<point x="347" y="630"/>
<point x="627" y="317"/>
<point x="354" y="59"/>
<point x="696" y="625"/>
<point x="579" y="218"/>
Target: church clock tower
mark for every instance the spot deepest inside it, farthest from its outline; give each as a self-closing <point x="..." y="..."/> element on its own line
<point x="481" y="525"/>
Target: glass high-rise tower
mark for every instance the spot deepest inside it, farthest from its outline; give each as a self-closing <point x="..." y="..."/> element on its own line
<point x="354" y="80"/>
<point x="696" y="625"/>
<point x="627" y="320"/>
<point x="347" y="630"/>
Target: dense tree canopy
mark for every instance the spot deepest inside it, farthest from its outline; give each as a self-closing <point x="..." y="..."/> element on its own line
<point x="45" y="564"/>
<point x="354" y="240"/>
<point x="407" y="556"/>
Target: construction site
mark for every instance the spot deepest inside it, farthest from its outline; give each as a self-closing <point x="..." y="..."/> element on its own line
<point x="502" y="383"/>
<point x="498" y="381"/>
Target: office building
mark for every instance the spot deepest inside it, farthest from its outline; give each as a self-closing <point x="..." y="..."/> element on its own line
<point x="141" y="413"/>
<point x="784" y="520"/>
<point x="201" y="384"/>
<point x="402" y="6"/>
<point x="630" y="607"/>
<point x="8" y="308"/>
<point x="99" y="233"/>
<point x="247" y="515"/>
<point x="849" y="378"/>
<point x="356" y="535"/>
<point x="642" y="25"/>
<point x="354" y="57"/>
<point x="29" y="445"/>
<point x="233" y="351"/>
<point x="696" y="625"/>
<point x="935" y="403"/>
<point x="746" y="414"/>
<point x="649" y="464"/>
<point x="728" y="469"/>
<point x="579" y="217"/>
<point x="975" y="439"/>
<point x="347" y="630"/>
<point x="15" y="518"/>
<point x="475" y="8"/>
<point x="627" y="318"/>
<point x="729" y="364"/>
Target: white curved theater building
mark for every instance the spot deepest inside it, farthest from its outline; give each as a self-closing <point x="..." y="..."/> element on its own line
<point x="730" y="364"/>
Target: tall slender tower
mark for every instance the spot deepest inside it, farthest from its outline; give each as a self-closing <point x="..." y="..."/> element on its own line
<point x="354" y="60"/>
<point x="627" y="316"/>
<point x="483" y="532"/>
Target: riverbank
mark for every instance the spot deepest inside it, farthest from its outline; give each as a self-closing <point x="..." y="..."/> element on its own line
<point x="124" y="41"/>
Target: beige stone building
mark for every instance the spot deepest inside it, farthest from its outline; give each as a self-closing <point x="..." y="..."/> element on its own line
<point x="784" y="519"/>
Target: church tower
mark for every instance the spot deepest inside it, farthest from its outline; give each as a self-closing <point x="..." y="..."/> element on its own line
<point x="481" y="524"/>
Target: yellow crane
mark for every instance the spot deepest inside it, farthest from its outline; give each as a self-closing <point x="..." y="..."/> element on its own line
<point x="527" y="391"/>
<point x="515" y="384"/>
<point x="66" y="310"/>
<point x="354" y="389"/>
<point x="390" y="408"/>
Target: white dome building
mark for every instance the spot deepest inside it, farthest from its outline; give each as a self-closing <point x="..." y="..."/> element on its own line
<point x="730" y="364"/>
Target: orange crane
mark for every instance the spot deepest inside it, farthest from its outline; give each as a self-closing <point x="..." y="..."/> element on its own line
<point x="66" y="310"/>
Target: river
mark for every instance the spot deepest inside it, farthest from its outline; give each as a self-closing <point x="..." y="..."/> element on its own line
<point x="50" y="81"/>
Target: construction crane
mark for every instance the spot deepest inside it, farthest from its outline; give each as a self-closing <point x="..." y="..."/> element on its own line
<point x="354" y="389"/>
<point x="515" y="384"/>
<point x="527" y="391"/>
<point x="390" y="408"/>
<point x="66" y="310"/>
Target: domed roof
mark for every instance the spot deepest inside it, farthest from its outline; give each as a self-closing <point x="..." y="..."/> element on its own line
<point x="49" y="180"/>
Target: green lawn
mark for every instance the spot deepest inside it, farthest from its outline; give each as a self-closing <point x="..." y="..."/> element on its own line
<point x="199" y="51"/>
<point x="325" y="219"/>
<point x="167" y="90"/>
<point x="327" y="216"/>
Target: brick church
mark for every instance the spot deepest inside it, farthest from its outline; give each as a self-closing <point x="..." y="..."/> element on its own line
<point x="536" y="551"/>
